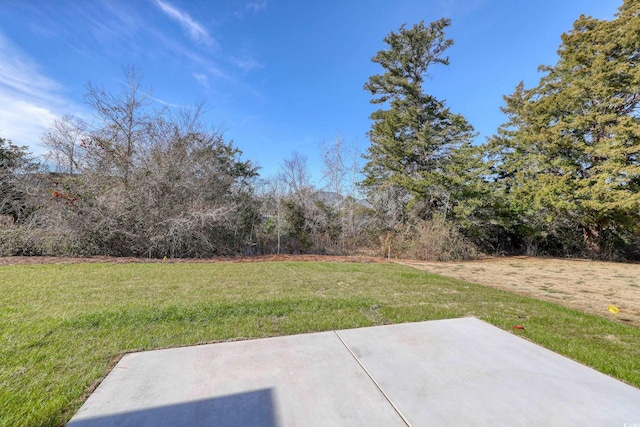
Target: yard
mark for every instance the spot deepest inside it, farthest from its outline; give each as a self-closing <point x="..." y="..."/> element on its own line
<point x="63" y="326"/>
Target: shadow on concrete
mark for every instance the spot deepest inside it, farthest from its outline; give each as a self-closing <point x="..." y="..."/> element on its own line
<point x="250" y="409"/>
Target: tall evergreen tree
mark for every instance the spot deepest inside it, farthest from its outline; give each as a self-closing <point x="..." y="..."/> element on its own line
<point x="569" y="156"/>
<point x="417" y="143"/>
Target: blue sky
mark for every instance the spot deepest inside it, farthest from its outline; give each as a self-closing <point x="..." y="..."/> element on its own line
<point x="277" y="75"/>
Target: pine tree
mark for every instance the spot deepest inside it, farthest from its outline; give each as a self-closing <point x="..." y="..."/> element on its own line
<point x="569" y="155"/>
<point x="417" y="143"/>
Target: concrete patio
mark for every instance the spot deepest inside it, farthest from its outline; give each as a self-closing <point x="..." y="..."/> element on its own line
<point x="461" y="372"/>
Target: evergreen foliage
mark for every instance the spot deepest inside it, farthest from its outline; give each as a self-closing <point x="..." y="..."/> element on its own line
<point x="15" y="167"/>
<point x="567" y="160"/>
<point x="417" y="143"/>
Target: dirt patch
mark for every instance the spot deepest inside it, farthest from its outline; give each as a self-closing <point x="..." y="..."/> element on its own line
<point x="589" y="286"/>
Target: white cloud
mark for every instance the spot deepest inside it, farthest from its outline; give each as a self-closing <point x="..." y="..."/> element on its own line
<point x="19" y="74"/>
<point x="245" y="64"/>
<point x="203" y="79"/>
<point x="250" y="8"/>
<point x="215" y="71"/>
<point x="256" y="6"/>
<point x="29" y="98"/>
<point x="193" y="28"/>
<point x="24" y="123"/>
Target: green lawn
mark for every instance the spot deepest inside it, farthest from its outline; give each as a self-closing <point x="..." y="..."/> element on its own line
<point x="63" y="327"/>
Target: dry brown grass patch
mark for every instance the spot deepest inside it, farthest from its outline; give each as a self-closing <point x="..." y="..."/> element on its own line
<point x="589" y="286"/>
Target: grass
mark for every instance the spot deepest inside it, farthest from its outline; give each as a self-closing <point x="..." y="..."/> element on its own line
<point x="63" y="327"/>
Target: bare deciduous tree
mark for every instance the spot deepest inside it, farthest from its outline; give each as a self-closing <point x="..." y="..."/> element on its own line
<point x="149" y="182"/>
<point x="341" y="172"/>
<point x="65" y="140"/>
<point x="124" y="123"/>
<point x="295" y="175"/>
<point x="334" y="169"/>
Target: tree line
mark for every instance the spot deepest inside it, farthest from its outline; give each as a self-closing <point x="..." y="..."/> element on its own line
<point x="560" y="177"/>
